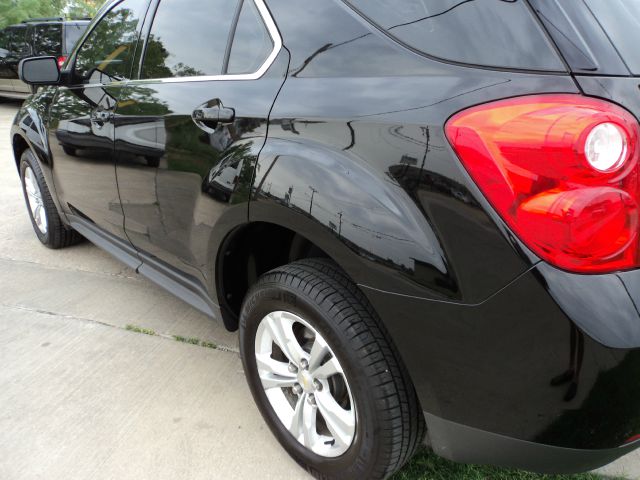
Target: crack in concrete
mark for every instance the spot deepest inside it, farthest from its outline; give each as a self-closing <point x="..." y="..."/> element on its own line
<point x="119" y="274"/>
<point x="166" y="336"/>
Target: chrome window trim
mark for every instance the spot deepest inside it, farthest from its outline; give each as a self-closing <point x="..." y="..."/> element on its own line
<point x="274" y="33"/>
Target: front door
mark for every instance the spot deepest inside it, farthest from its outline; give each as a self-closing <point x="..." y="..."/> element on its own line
<point x="81" y="128"/>
<point x="189" y="130"/>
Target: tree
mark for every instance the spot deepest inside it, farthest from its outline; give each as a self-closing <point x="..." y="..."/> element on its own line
<point x="82" y="8"/>
<point x="16" y="11"/>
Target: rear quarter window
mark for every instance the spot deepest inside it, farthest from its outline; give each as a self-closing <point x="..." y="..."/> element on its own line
<point x="620" y="19"/>
<point x="491" y="33"/>
<point x="72" y="33"/>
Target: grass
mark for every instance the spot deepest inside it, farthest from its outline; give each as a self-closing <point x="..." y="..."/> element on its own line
<point x="135" y="328"/>
<point x="177" y="338"/>
<point x="428" y="466"/>
<point x="195" y="341"/>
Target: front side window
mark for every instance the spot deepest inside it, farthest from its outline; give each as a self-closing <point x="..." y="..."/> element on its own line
<point x="188" y="38"/>
<point x="252" y="43"/>
<point x="108" y="51"/>
<point x="47" y="39"/>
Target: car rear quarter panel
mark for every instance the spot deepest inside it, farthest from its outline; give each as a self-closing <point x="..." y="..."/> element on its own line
<point x="356" y="159"/>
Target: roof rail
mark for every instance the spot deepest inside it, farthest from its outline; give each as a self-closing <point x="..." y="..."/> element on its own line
<point x="46" y="19"/>
<point x="80" y="18"/>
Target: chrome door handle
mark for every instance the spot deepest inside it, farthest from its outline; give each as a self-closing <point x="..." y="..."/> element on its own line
<point x="210" y="117"/>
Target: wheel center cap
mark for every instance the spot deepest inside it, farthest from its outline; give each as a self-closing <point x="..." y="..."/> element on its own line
<point x="306" y="381"/>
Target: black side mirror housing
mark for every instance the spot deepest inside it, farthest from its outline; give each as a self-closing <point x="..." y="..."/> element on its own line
<point x="39" y="71"/>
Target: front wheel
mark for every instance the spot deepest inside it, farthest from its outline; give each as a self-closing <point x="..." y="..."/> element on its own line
<point x="326" y="376"/>
<point x="44" y="216"/>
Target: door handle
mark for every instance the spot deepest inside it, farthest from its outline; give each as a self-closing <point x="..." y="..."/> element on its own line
<point x="210" y="117"/>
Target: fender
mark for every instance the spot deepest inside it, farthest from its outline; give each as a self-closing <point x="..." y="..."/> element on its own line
<point x="29" y="130"/>
<point x="335" y="199"/>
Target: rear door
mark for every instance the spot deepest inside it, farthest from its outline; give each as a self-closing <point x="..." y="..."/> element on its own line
<point x="189" y="129"/>
<point x="81" y="131"/>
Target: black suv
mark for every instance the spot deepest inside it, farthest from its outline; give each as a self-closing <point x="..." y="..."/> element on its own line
<point x="419" y="214"/>
<point x="36" y="37"/>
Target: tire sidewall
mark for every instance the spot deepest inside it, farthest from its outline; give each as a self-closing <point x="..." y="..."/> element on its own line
<point x="270" y="297"/>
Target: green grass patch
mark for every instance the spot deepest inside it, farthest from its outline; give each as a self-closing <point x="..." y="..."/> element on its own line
<point x="194" y="341"/>
<point x="428" y="466"/>
<point x="135" y="328"/>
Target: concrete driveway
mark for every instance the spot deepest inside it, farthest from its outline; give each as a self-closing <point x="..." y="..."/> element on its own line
<point x="83" y="397"/>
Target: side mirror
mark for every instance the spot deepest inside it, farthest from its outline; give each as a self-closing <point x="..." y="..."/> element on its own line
<point x="39" y="71"/>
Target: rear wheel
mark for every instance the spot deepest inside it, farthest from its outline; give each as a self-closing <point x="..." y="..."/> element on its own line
<point x="42" y="211"/>
<point x="325" y="374"/>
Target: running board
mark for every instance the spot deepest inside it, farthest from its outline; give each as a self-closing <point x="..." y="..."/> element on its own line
<point x="184" y="288"/>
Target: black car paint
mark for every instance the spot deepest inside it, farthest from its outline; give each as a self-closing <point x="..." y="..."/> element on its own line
<point x="354" y="158"/>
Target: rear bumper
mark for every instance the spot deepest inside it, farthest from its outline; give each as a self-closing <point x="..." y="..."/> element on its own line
<point x="544" y="375"/>
<point x="464" y="444"/>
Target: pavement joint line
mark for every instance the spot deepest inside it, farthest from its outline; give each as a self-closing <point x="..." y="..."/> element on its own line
<point x="119" y="274"/>
<point x="166" y="336"/>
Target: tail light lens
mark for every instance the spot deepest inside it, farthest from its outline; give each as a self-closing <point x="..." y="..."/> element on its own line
<point x="61" y="61"/>
<point x="562" y="171"/>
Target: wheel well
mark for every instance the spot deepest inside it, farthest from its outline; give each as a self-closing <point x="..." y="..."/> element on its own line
<point x="19" y="147"/>
<point x="251" y="251"/>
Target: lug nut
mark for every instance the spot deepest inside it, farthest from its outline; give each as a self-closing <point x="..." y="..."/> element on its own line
<point x="311" y="399"/>
<point x="317" y="385"/>
<point x="297" y="389"/>
<point x="293" y="368"/>
<point x="304" y="363"/>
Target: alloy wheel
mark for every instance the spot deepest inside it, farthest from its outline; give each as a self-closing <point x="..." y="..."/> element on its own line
<point x="36" y="203"/>
<point x="305" y="384"/>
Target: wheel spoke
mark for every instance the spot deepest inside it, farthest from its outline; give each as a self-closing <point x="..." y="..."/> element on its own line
<point x="37" y="214"/>
<point x="281" y="330"/>
<point x="303" y="422"/>
<point x="309" y="432"/>
<point x="274" y="374"/>
<point x="340" y="422"/>
<point x="329" y="368"/>
<point x="318" y="351"/>
<point x="296" y="427"/>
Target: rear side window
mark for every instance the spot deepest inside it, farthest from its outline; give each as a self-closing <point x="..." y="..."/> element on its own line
<point x="19" y="45"/>
<point x="492" y="33"/>
<point x="108" y="51"/>
<point x="621" y="21"/>
<point x="47" y="39"/>
<point x="188" y="38"/>
<point x="72" y="33"/>
<point x="252" y="43"/>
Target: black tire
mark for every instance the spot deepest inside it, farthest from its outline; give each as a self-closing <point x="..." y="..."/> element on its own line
<point x="390" y="424"/>
<point x="57" y="235"/>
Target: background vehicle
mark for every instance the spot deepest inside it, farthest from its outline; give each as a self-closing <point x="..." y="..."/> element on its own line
<point x="433" y="209"/>
<point x="36" y="37"/>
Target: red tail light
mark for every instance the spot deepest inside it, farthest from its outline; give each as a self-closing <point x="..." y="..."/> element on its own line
<point x="562" y="171"/>
<point x="61" y="61"/>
